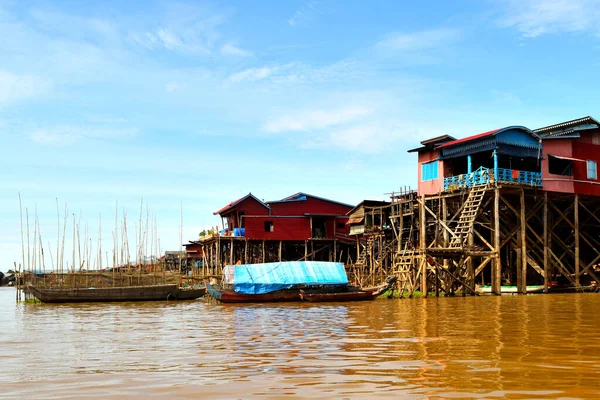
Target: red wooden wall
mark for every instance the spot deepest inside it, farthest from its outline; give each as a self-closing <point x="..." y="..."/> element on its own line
<point x="284" y="228"/>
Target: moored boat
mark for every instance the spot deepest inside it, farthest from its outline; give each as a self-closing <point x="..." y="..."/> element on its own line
<point x="487" y="289"/>
<point x="278" y="281"/>
<point x="349" y="295"/>
<point x="113" y="294"/>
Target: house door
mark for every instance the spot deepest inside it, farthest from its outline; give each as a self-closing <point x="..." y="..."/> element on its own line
<point x="318" y="227"/>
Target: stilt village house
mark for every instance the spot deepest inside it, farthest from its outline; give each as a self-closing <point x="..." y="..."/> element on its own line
<point x="511" y="206"/>
<point x="298" y="227"/>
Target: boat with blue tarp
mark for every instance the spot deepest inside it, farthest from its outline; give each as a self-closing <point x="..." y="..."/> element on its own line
<point x="279" y="281"/>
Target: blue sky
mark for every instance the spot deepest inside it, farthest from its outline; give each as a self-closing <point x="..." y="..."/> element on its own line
<point x="198" y="103"/>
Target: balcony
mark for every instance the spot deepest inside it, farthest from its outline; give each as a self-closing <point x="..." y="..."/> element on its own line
<point x="484" y="176"/>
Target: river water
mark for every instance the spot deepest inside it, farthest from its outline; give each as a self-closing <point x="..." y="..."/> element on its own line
<point x="536" y="346"/>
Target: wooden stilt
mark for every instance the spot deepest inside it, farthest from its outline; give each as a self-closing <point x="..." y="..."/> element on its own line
<point x="523" y="254"/>
<point x="246" y="252"/>
<point x="280" y="245"/>
<point x="263" y="251"/>
<point x="576" y="212"/>
<point x="546" y="266"/>
<point x="496" y="270"/>
<point x="423" y="245"/>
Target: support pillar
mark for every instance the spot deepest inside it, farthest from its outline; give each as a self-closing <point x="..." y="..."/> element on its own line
<point x="496" y="267"/>
<point x="280" y="245"/>
<point x="523" y="254"/>
<point x="545" y="238"/>
<point x="469" y="164"/>
<point x="423" y="245"/>
<point x="576" y="211"/>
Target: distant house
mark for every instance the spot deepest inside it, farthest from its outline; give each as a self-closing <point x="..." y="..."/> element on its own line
<point x="297" y="217"/>
<point x="369" y="216"/>
<point x="571" y="152"/>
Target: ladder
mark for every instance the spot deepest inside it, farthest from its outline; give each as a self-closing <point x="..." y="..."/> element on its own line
<point x="403" y="269"/>
<point x="468" y="215"/>
<point x="362" y="259"/>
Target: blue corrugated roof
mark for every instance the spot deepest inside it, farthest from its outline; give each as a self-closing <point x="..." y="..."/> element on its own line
<point x="269" y="277"/>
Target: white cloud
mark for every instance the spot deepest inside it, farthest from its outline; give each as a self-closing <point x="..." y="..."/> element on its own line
<point x="61" y="135"/>
<point x="537" y="17"/>
<point x="252" y="74"/>
<point x="15" y="87"/>
<point x="428" y="39"/>
<point x="316" y="119"/>
<point x="229" y="49"/>
<point x="304" y="13"/>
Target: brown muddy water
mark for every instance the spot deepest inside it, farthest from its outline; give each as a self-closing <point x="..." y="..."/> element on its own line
<point x="536" y="346"/>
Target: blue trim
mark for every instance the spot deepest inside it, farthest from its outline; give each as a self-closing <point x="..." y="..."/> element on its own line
<point x="429" y="171"/>
<point x="483" y="176"/>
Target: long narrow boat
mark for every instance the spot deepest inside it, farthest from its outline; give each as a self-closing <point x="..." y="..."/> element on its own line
<point x="231" y="296"/>
<point x="278" y="281"/>
<point x="349" y="295"/>
<point x="487" y="289"/>
<point x="112" y="294"/>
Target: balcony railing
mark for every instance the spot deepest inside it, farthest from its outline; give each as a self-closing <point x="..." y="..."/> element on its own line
<point x="484" y="176"/>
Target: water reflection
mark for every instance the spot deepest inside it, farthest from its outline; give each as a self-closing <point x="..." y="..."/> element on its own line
<point x="485" y="347"/>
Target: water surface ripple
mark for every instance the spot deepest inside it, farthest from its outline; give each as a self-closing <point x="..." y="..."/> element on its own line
<point x="486" y="347"/>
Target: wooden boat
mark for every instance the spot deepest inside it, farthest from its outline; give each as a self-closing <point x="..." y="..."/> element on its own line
<point x="487" y="289"/>
<point x="558" y="288"/>
<point x="360" y="294"/>
<point x="224" y="295"/>
<point x="112" y="294"/>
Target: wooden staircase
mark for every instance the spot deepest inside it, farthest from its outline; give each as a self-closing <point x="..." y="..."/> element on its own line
<point x="468" y="216"/>
<point x="364" y="254"/>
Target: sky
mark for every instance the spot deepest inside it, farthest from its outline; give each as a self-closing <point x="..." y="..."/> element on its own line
<point x="186" y="106"/>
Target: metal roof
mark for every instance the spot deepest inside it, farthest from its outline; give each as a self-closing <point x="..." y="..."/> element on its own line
<point x="300" y="196"/>
<point x="567" y="124"/>
<point x="238" y="201"/>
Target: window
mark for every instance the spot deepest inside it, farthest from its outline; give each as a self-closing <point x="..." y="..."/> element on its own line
<point x="268" y="226"/>
<point x="591" y="170"/>
<point x="560" y="166"/>
<point x="429" y="171"/>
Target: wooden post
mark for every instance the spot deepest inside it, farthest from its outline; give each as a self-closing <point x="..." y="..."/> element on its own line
<point x="576" y="211"/>
<point x="246" y="252"/>
<point x="546" y="266"/>
<point x="523" y="254"/>
<point x="231" y="262"/>
<point x="334" y="250"/>
<point x="305" y="250"/>
<point x="496" y="268"/>
<point x="423" y="246"/>
<point x="280" y="244"/>
<point x="263" y="251"/>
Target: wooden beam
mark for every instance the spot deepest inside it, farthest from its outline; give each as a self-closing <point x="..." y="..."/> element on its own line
<point x="423" y="245"/>
<point x="523" y="245"/>
<point x="545" y="236"/>
<point x="496" y="270"/>
<point x="576" y="212"/>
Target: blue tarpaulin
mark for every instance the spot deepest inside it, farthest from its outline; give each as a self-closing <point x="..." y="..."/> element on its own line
<point x="269" y="277"/>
